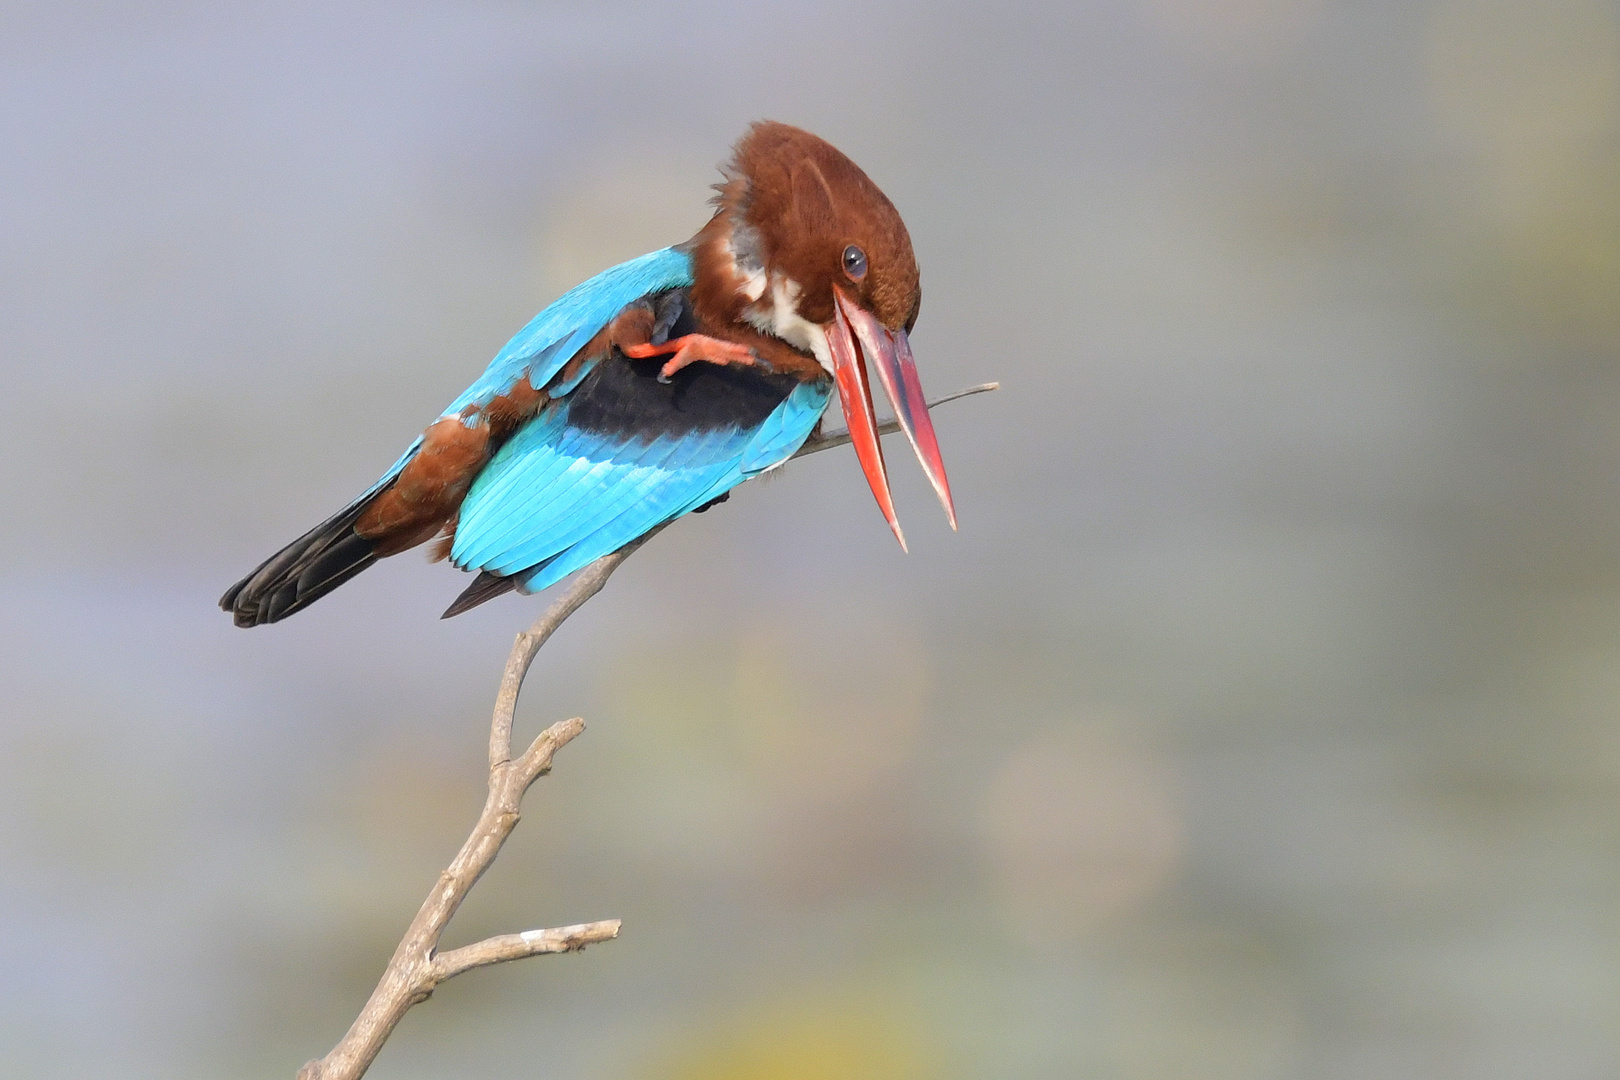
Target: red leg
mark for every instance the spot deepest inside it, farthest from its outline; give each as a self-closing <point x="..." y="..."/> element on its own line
<point x="692" y="349"/>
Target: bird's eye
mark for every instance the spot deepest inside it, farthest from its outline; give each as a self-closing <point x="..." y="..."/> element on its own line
<point x="854" y="262"/>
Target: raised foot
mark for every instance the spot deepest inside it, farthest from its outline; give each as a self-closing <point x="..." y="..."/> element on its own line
<point x="692" y="349"/>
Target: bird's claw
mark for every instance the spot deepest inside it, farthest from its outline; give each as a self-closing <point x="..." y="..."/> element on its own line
<point x="693" y="349"/>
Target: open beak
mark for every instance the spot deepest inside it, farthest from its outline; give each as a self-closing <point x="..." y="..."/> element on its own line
<point x="889" y="352"/>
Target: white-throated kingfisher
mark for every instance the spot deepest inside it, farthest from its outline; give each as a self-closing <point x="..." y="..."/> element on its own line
<point x="651" y="390"/>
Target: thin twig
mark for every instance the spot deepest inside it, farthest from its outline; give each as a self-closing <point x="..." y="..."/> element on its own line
<point x="417" y="967"/>
<point x="888" y="427"/>
<point x="586" y="584"/>
<point x="504" y="947"/>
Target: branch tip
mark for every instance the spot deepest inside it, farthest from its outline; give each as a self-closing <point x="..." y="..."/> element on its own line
<point x="504" y="948"/>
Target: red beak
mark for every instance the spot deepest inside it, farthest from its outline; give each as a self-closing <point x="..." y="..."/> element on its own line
<point x="890" y="353"/>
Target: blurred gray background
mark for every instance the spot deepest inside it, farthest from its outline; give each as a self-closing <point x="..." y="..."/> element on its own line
<point x="1263" y="720"/>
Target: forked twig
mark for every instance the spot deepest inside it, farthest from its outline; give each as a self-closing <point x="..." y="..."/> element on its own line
<point x="417" y="967"/>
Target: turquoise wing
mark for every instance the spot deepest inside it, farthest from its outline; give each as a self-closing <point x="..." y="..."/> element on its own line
<point x="552" y="337"/>
<point x="558" y="494"/>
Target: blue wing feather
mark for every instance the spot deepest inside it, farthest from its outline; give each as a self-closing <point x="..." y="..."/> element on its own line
<point x="785" y="430"/>
<point x="666" y="504"/>
<point x="552" y="337"/>
<point x="554" y="497"/>
<point x="614" y="491"/>
<point x="548" y="518"/>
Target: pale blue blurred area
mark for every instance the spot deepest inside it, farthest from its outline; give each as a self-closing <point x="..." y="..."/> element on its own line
<point x="1262" y="721"/>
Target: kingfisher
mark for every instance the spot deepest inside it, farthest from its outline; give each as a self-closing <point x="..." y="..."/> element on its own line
<point x="651" y="390"/>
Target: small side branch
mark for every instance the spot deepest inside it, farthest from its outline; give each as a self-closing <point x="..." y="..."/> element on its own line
<point x="504" y="947"/>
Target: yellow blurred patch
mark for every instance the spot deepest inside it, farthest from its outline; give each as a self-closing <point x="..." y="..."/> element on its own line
<point x="1506" y="75"/>
<point x="841" y="1040"/>
<point x="1531" y="94"/>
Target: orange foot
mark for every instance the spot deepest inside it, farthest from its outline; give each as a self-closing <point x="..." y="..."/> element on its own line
<point x="694" y="348"/>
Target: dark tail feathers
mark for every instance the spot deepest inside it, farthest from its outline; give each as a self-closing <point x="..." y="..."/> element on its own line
<point x="303" y="571"/>
<point x="486" y="586"/>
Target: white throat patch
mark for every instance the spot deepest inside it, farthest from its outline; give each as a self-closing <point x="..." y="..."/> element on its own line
<point x="773" y="306"/>
<point x="776" y="312"/>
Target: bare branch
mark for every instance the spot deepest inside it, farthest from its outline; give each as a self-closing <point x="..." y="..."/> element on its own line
<point x="414" y="970"/>
<point x="504" y="947"/>
<point x="417" y="967"/>
<point x="536" y="760"/>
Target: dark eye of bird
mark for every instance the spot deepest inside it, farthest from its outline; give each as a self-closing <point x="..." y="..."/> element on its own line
<point x="854" y="262"/>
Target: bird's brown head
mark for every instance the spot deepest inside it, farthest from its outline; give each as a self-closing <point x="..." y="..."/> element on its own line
<point x="810" y="219"/>
<point x="805" y="248"/>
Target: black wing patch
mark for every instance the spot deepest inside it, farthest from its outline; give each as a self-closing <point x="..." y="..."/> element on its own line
<point x="625" y="398"/>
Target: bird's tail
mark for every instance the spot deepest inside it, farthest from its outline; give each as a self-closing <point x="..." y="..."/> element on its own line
<point x="305" y="570"/>
<point x="486" y="587"/>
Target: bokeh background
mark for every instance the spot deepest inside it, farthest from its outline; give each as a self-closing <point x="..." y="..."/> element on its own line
<point x="1263" y="720"/>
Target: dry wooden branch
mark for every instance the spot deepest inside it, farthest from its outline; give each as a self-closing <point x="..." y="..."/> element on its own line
<point x="417" y="967"/>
